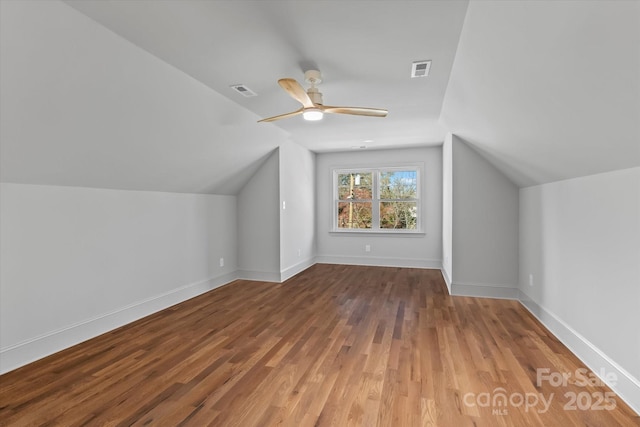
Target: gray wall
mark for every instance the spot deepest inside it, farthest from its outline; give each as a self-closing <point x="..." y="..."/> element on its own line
<point x="395" y="250"/>
<point x="77" y="262"/>
<point x="259" y="223"/>
<point x="484" y="226"/>
<point x="297" y="209"/>
<point x="580" y="245"/>
<point x="276" y="216"/>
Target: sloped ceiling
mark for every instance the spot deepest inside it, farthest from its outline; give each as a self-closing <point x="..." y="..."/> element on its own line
<point x="80" y="106"/>
<point x="135" y="94"/>
<point x="548" y="90"/>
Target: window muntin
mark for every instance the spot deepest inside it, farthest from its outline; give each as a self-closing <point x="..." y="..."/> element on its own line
<point x="382" y="199"/>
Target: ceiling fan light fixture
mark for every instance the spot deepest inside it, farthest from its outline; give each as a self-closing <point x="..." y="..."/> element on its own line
<point x="313" y="108"/>
<point x="312" y="114"/>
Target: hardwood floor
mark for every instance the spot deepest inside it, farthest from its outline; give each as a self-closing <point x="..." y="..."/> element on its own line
<point x="334" y="346"/>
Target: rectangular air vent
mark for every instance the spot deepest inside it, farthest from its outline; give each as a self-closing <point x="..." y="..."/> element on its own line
<point x="420" y="69"/>
<point x="244" y="91"/>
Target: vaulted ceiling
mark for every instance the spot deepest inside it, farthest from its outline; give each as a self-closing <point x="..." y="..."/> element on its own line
<point x="136" y="94"/>
<point x="364" y="50"/>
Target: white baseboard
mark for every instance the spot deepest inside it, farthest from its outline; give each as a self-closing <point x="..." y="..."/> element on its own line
<point x="484" y="290"/>
<point x="20" y="354"/>
<point x="627" y="387"/>
<point x="380" y="261"/>
<point x="289" y="272"/>
<point x="446" y="278"/>
<point x="261" y="276"/>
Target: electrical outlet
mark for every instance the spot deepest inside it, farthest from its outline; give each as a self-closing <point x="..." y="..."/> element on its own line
<point x="299" y="252"/>
<point x="367" y="248"/>
<point x="284" y="205"/>
<point x="530" y="279"/>
<point x="221" y="262"/>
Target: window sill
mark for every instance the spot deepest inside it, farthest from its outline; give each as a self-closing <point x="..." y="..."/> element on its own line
<point x="377" y="233"/>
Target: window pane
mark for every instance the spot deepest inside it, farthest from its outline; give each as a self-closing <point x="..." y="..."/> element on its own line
<point x="355" y="185"/>
<point x="399" y="185"/>
<point x="354" y="215"/>
<point x="399" y="215"/>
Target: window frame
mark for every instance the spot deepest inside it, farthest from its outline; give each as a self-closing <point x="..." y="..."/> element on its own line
<point x="377" y="200"/>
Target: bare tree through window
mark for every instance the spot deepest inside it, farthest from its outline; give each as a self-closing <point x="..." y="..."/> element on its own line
<point x="382" y="199"/>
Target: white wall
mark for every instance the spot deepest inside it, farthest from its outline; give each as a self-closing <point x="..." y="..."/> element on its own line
<point x="259" y="223"/>
<point x="297" y="215"/>
<point x="580" y="241"/>
<point x="484" y="225"/>
<point x="76" y="262"/>
<point x="395" y="250"/>
<point x="447" y="210"/>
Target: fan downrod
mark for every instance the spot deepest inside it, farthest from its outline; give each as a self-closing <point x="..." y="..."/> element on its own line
<point x="313" y="77"/>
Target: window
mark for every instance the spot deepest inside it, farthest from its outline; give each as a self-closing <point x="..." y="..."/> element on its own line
<point x="383" y="200"/>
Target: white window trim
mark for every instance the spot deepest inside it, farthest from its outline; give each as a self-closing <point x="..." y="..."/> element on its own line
<point x="418" y="167"/>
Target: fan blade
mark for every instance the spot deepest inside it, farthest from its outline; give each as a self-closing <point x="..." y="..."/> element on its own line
<point x="297" y="92"/>
<point x="282" y="116"/>
<point x="356" y="111"/>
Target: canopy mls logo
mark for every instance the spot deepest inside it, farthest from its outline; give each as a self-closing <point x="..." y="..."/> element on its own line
<point x="500" y="401"/>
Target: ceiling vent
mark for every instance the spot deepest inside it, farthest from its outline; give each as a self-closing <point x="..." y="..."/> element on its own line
<point x="420" y="69"/>
<point x="244" y="91"/>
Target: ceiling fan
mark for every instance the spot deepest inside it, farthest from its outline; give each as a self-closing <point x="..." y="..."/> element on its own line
<point x="311" y="100"/>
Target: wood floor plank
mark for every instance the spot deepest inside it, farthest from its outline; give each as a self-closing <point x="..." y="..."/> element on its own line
<point x="334" y="346"/>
